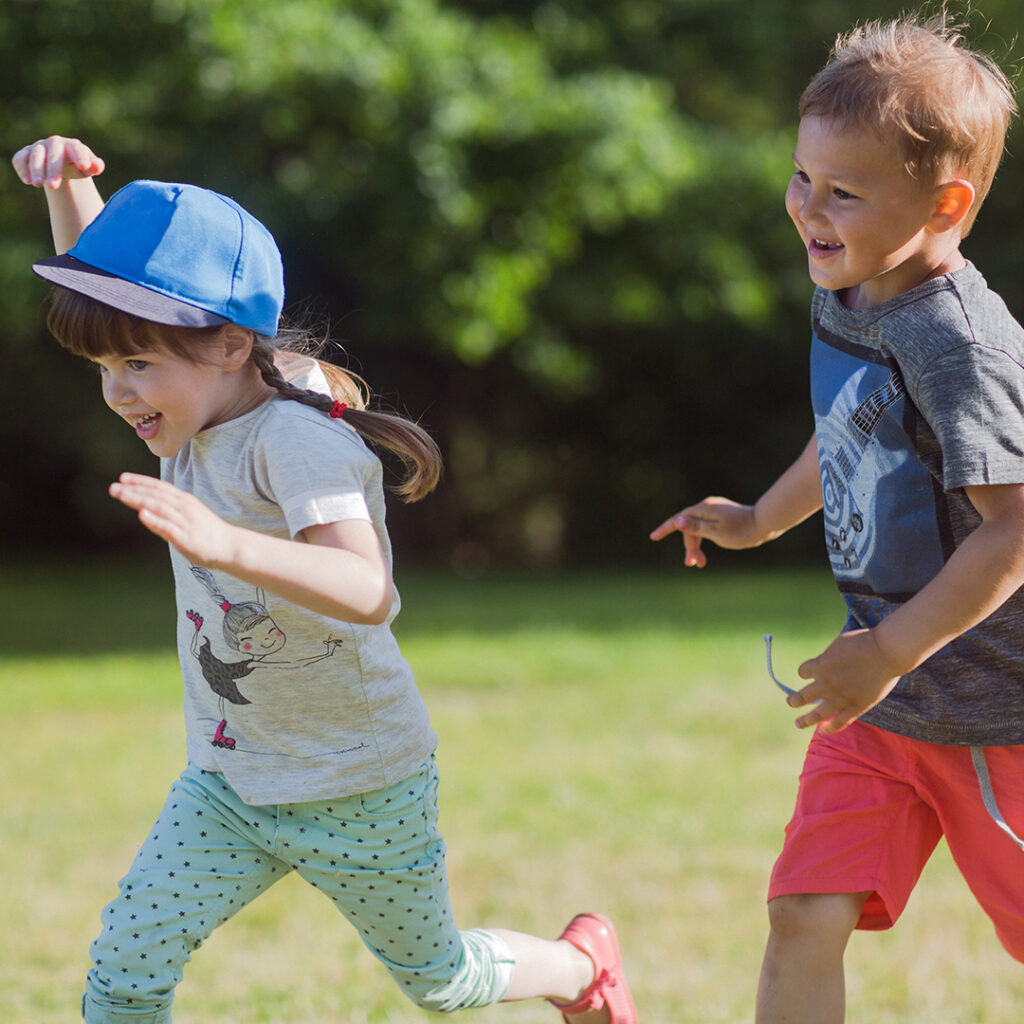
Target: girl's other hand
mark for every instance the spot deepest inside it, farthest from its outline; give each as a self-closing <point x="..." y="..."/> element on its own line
<point x="176" y="516"/>
<point x="50" y="162"/>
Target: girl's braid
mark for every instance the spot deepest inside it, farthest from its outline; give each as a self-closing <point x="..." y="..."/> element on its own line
<point x="410" y="442"/>
<point x="263" y="357"/>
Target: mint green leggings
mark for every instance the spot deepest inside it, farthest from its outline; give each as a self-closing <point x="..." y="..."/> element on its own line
<point x="379" y="856"/>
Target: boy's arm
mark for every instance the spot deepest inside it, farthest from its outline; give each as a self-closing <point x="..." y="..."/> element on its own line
<point x="859" y="668"/>
<point x="64" y="169"/>
<point x="790" y="500"/>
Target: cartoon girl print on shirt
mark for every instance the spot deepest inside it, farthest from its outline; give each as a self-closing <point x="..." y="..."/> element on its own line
<point x="248" y="628"/>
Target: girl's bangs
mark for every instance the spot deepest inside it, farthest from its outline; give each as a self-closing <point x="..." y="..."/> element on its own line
<point x="94" y="330"/>
<point x="89" y="328"/>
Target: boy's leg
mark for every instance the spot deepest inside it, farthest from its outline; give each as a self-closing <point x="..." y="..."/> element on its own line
<point x="859" y="838"/>
<point x="802" y="979"/>
<point x="201" y="863"/>
<point x="990" y="861"/>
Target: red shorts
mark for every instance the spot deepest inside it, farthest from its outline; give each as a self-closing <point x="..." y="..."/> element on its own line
<point x="872" y="807"/>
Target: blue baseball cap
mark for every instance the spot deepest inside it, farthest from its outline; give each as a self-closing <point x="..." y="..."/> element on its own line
<point x="178" y="255"/>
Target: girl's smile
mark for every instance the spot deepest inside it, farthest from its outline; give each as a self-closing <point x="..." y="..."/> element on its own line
<point x="168" y="399"/>
<point x="147" y="426"/>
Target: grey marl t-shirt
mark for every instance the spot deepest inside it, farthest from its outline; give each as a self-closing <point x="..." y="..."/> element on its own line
<point x="291" y="706"/>
<point x="914" y="400"/>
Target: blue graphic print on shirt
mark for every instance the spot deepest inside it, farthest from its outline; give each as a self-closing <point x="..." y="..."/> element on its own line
<point x="880" y="502"/>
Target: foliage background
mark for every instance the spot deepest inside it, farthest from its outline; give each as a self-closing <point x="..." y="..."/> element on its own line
<point x="553" y="231"/>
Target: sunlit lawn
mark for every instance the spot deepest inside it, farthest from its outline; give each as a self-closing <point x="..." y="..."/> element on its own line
<point x="608" y="741"/>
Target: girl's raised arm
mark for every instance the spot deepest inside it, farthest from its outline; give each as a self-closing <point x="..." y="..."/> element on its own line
<point x="64" y="169"/>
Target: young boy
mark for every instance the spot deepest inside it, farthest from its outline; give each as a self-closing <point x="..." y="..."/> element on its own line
<point x="917" y="386"/>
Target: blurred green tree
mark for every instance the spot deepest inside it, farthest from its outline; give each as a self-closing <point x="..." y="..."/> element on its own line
<point x="552" y="230"/>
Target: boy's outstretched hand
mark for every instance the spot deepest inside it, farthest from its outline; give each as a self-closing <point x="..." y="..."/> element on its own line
<point x="790" y="500"/>
<point x="850" y="676"/>
<point x="49" y="162"/>
<point x="726" y="523"/>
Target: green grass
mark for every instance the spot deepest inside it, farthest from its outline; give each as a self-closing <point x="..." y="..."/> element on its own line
<point x="608" y="741"/>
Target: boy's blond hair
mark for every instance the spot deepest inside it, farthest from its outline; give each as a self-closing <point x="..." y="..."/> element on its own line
<point x="948" y="106"/>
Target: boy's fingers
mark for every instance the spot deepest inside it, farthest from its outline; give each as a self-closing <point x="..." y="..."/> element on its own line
<point x="687" y="526"/>
<point x="799" y="698"/>
<point x="808" y="669"/>
<point x="823" y="714"/>
<point x="835" y="724"/>
<point x="669" y="526"/>
<point x="810" y="693"/>
<point x="695" y="556"/>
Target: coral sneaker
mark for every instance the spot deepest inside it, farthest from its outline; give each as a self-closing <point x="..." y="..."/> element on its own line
<point x="594" y="935"/>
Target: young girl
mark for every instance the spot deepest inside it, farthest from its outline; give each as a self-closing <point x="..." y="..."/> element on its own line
<point x="319" y="761"/>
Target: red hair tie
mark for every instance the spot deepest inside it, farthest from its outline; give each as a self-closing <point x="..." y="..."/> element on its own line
<point x="225" y="605"/>
<point x="338" y="410"/>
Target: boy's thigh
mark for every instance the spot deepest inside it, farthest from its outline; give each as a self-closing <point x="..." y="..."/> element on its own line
<point x="990" y="861"/>
<point x="860" y="824"/>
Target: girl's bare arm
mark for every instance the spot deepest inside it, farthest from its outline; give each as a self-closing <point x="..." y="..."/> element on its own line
<point x="65" y="169"/>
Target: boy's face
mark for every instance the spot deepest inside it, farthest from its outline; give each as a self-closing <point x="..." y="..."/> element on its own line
<point x="860" y="214"/>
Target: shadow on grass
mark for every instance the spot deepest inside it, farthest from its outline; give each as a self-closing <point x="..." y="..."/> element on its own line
<point x="89" y="607"/>
<point x="126" y="605"/>
<point x="607" y="601"/>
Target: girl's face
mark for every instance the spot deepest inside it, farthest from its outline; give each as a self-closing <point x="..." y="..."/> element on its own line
<point x="168" y="399"/>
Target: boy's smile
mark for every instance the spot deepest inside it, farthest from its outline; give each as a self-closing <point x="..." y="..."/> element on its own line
<point x="869" y="227"/>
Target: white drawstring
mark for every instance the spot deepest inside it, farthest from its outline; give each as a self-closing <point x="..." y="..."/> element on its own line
<point x="768" y="651"/>
<point x="981" y="770"/>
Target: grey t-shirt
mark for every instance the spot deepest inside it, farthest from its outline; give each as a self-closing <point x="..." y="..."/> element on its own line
<point x="914" y="400"/>
<point x="291" y="706"/>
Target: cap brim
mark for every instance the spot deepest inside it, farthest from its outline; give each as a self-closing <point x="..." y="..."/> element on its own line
<point x="69" y="272"/>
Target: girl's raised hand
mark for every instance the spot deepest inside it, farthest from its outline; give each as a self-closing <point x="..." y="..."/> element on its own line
<point x="177" y="517"/>
<point x="49" y="162"/>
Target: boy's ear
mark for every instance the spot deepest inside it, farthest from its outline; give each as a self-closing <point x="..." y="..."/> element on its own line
<point x="955" y="198"/>
<point x="237" y="342"/>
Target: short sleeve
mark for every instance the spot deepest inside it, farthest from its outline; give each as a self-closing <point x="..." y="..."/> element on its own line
<point x="317" y="470"/>
<point x="972" y="397"/>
